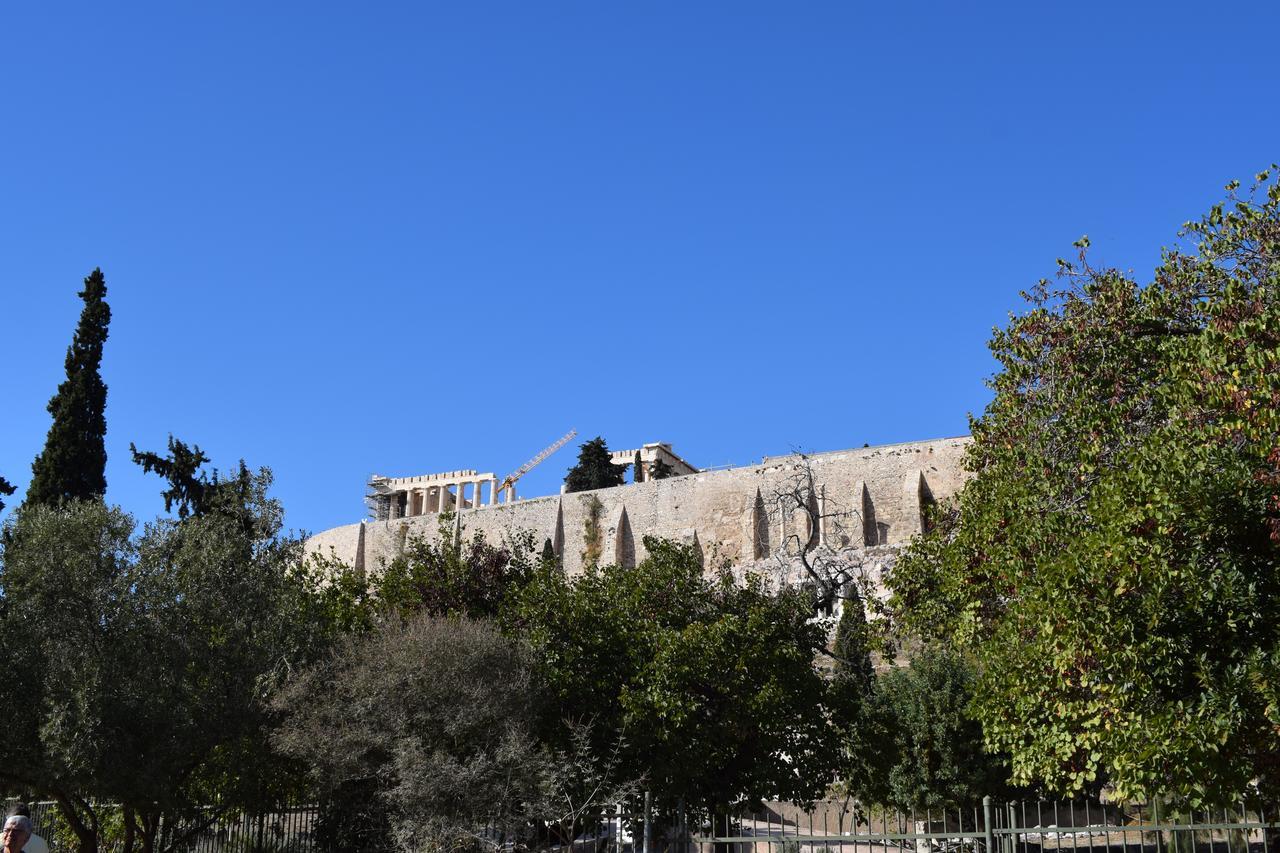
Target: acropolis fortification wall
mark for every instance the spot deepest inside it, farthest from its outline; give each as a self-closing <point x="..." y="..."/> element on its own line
<point x="866" y="498"/>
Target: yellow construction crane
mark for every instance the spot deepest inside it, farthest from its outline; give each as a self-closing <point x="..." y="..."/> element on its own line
<point x="510" y="481"/>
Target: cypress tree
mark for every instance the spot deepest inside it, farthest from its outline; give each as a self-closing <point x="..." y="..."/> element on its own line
<point x="660" y="470"/>
<point x="852" y="646"/>
<point x="6" y="488"/>
<point x="595" y="468"/>
<point x="73" y="464"/>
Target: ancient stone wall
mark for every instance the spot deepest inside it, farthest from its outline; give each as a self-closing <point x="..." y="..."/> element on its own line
<point x="869" y="497"/>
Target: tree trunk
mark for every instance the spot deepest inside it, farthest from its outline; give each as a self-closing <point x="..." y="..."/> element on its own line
<point x="127" y="817"/>
<point x="150" y="826"/>
<point x="86" y="832"/>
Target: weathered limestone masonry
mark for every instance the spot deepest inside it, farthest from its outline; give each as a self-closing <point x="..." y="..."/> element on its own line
<point x="642" y="460"/>
<point x="867" y="499"/>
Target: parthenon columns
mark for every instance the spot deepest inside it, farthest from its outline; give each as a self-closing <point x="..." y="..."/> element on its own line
<point x="435" y="493"/>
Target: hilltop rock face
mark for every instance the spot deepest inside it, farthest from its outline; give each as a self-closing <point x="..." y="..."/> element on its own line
<point x="866" y="502"/>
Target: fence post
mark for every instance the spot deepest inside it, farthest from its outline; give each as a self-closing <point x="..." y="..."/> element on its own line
<point x="684" y="830"/>
<point x="1155" y="814"/>
<point x="648" y="829"/>
<point x="988" y="822"/>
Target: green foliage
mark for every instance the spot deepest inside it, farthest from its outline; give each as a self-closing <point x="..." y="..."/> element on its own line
<point x="342" y="602"/>
<point x="189" y="488"/>
<point x="432" y="718"/>
<point x="660" y="470"/>
<point x="72" y="465"/>
<point x="241" y="498"/>
<point x="6" y="488"/>
<point x="851" y="648"/>
<point x="1112" y="564"/>
<point x="59" y="639"/>
<point x="851" y="686"/>
<point x="60" y="835"/>
<point x="913" y="746"/>
<point x="453" y="576"/>
<point x="592" y="531"/>
<point x="595" y="468"/>
<point x="146" y="660"/>
<point x="711" y="680"/>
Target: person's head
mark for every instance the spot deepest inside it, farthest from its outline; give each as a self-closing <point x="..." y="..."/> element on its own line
<point x="17" y="832"/>
<point x="22" y="809"/>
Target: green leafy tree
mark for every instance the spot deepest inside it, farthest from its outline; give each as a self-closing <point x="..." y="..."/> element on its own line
<point x="6" y="488"/>
<point x="451" y="575"/>
<point x="1112" y="565"/>
<point x="852" y="682"/>
<point x="64" y="648"/>
<point x="72" y="465"/>
<point x="851" y="648"/>
<point x="711" y="680"/>
<point x="916" y="747"/>
<point x="595" y="468"/>
<point x="425" y="729"/>
<point x="147" y="661"/>
<point x="343" y="602"/>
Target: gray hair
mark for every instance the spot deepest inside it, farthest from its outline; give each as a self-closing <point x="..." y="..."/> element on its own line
<point x="19" y="822"/>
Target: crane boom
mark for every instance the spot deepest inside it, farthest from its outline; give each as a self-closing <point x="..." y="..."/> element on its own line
<point x="535" y="461"/>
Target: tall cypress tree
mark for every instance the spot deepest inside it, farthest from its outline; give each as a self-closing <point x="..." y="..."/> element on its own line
<point x="852" y="645"/>
<point x="74" y="460"/>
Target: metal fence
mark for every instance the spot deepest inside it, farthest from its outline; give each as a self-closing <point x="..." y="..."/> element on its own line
<point x="212" y="829"/>
<point x="991" y="827"/>
<point x="830" y="827"/>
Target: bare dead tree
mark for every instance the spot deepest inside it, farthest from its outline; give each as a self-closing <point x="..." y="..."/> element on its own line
<point x="835" y="576"/>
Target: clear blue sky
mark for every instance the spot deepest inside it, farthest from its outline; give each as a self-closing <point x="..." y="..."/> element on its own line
<point x="403" y="238"/>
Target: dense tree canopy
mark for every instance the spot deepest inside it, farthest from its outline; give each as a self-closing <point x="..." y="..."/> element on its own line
<point x="453" y="575"/>
<point x="913" y="746"/>
<point x="594" y="469"/>
<point x="427" y="723"/>
<point x="72" y="465"/>
<point x="240" y="498"/>
<point x="146" y="661"/>
<point x="851" y="646"/>
<point x="712" y="680"/>
<point x="1112" y="564"/>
